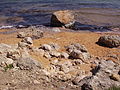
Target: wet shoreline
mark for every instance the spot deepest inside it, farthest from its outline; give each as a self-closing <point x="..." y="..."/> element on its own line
<point x="88" y="19"/>
<point x="90" y="14"/>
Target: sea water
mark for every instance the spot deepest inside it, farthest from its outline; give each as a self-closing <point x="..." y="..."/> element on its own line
<point x="37" y="12"/>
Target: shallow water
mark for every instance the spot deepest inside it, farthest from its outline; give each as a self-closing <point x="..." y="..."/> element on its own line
<point x="34" y="12"/>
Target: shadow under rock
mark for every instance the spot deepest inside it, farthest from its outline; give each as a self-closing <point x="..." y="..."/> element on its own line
<point x="92" y="28"/>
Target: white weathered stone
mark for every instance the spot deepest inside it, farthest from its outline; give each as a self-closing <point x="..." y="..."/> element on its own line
<point x="28" y="40"/>
<point x="36" y="82"/>
<point x="9" y="61"/>
<point x="64" y="55"/>
<point x="55" y="54"/>
<point x="46" y="47"/>
<point x="56" y="30"/>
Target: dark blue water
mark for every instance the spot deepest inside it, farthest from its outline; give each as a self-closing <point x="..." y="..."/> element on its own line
<point x="32" y="12"/>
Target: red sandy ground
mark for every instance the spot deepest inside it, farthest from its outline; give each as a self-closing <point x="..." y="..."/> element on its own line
<point x="88" y="39"/>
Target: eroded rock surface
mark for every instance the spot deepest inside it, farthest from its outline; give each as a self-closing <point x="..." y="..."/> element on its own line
<point x="34" y="33"/>
<point x="63" y="18"/>
<point x="77" y="51"/>
<point x="105" y="75"/>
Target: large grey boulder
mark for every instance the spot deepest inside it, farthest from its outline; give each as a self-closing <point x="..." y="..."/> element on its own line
<point x="77" y="51"/>
<point x="63" y="18"/>
<point x="28" y="64"/>
<point x="109" y="40"/>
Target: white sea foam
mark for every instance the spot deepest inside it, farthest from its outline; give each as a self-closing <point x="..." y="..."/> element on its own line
<point x="6" y="27"/>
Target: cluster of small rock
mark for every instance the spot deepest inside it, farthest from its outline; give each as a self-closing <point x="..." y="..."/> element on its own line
<point x="105" y="74"/>
<point x="73" y="51"/>
<point x="64" y="62"/>
<point x="35" y="32"/>
<point x="17" y="55"/>
<point x="32" y="32"/>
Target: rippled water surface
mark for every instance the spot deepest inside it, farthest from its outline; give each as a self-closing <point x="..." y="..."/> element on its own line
<point x="31" y="12"/>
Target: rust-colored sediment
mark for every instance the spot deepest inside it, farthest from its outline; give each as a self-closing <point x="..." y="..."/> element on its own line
<point x="66" y="38"/>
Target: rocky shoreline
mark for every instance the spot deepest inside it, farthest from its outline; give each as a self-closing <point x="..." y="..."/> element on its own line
<point x="54" y="58"/>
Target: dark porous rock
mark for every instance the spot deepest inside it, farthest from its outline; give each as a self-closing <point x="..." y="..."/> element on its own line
<point x="95" y="70"/>
<point x="28" y="64"/>
<point x="62" y="18"/>
<point x="85" y="80"/>
<point x="76" y="54"/>
<point x="119" y="72"/>
<point x="86" y="86"/>
<point x="109" y="41"/>
<point x="77" y="79"/>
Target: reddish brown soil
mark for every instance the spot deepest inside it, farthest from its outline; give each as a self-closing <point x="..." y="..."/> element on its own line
<point x="66" y="38"/>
